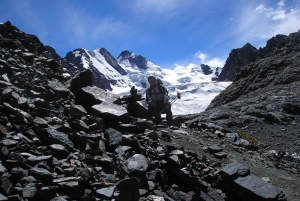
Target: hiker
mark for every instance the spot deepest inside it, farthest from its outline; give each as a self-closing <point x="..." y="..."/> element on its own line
<point x="158" y="101"/>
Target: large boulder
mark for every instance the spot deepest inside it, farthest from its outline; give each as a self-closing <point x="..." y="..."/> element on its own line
<point x="80" y="80"/>
<point x="89" y="96"/>
<point x="237" y="180"/>
<point x="111" y="111"/>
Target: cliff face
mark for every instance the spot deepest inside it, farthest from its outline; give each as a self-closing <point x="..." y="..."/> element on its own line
<point x="236" y="60"/>
<point x="240" y="57"/>
<point x="278" y="71"/>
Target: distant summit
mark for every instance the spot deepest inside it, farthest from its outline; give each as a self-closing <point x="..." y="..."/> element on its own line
<point x="134" y="60"/>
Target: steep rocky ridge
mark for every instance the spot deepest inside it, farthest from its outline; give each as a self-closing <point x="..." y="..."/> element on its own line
<point x="240" y="57"/>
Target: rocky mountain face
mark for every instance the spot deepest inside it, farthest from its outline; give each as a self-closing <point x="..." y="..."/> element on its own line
<point x="240" y="57"/>
<point x="65" y="139"/>
<point x="80" y="59"/>
<point x="134" y="60"/>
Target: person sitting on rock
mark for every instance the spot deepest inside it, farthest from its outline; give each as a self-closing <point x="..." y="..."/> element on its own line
<point x="158" y="101"/>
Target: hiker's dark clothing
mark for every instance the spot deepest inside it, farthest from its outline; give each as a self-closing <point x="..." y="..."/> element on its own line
<point x="156" y="99"/>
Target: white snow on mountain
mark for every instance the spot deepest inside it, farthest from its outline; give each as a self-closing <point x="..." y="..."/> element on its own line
<point x="197" y="89"/>
<point x="193" y="82"/>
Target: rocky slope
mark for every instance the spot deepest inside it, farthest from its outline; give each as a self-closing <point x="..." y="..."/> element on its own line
<point x="64" y="139"/>
<point x="262" y="103"/>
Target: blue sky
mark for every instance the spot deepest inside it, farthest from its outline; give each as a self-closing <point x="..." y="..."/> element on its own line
<point x="166" y="32"/>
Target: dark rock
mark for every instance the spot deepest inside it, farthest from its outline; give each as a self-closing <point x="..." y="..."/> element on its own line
<point x="49" y="192"/>
<point x="22" y="117"/>
<point x="6" y="186"/>
<point x="29" y="192"/>
<point x="235" y="170"/>
<point x="59" y="150"/>
<point x="250" y="187"/>
<point x="51" y="136"/>
<point x="72" y="189"/>
<point x="70" y="171"/>
<point x="191" y="196"/>
<point x="137" y="166"/>
<point x="80" y="80"/>
<point x="76" y="111"/>
<point x="58" y="88"/>
<point x="40" y="173"/>
<point x="114" y="138"/>
<point x="89" y="96"/>
<point x="135" y="109"/>
<point x="174" y="161"/>
<point x="33" y="160"/>
<point x="214" y="149"/>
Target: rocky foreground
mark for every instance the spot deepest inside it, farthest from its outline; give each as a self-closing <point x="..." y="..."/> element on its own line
<point x="63" y="139"/>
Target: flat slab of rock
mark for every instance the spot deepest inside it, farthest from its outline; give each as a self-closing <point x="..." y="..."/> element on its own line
<point x="258" y="189"/>
<point x="94" y="95"/>
<point x="214" y="149"/>
<point x="106" y="192"/>
<point x="111" y="111"/>
<point x="237" y="180"/>
<point x="235" y="170"/>
<point x="51" y="136"/>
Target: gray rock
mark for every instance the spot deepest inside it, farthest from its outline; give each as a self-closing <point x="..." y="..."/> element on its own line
<point x="23" y="116"/>
<point x="250" y="187"/>
<point x="58" y="88"/>
<point x="59" y="150"/>
<point x="3" y="198"/>
<point x="111" y="111"/>
<point x="29" y="192"/>
<point x="106" y="192"/>
<point x="214" y="149"/>
<point x="254" y="188"/>
<point x="114" y="137"/>
<point x="231" y="137"/>
<point x="33" y="160"/>
<point x="41" y="173"/>
<point x="76" y="111"/>
<point x="80" y="80"/>
<point x="137" y="165"/>
<point x="235" y="170"/>
<point x="93" y="95"/>
<point x="51" y="136"/>
<point x="6" y="186"/>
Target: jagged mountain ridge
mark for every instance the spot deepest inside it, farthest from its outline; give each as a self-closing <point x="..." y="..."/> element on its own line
<point x="240" y="57"/>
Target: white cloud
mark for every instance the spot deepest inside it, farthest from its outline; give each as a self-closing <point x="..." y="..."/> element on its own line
<point x="82" y="26"/>
<point x="259" y="23"/>
<point x="166" y="8"/>
<point x="214" y="62"/>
